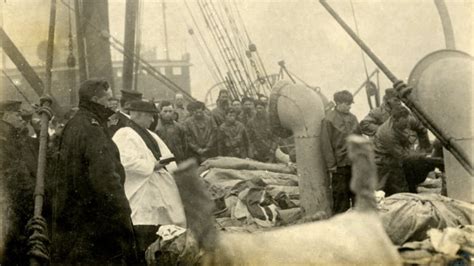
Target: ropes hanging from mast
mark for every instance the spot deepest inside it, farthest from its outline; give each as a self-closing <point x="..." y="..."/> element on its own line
<point x="240" y="46"/>
<point x="370" y="88"/>
<point x="233" y="74"/>
<point x="221" y="76"/>
<point x="234" y="53"/>
<point x="357" y="31"/>
<point x="202" y="53"/>
<point x="258" y="64"/>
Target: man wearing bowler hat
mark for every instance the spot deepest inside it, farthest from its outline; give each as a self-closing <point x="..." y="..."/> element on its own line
<point x="121" y="118"/>
<point x="151" y="190"/>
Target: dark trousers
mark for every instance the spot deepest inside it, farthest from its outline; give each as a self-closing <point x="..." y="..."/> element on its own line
<point x="416" y="169"/>
<point x="405" y="176"/>
<point x="145" y="236"/>
<point x="341" y="192"/>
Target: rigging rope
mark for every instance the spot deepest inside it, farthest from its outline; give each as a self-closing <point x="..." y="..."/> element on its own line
<point x="225" y="51"/>
<point x="240" y="46"/>
<point x="229" y="46"/>
<point x="221" y="76"/>
<point x="16" y="87"/>
<point x="357" y="31"/>
<point x="252" y="47"/>
<point x="234" y="53"/>
<point x="203" y="55"/>
<point x="215" y="38"/>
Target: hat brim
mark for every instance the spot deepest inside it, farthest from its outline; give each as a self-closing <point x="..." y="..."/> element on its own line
<point x="142" y="110"/>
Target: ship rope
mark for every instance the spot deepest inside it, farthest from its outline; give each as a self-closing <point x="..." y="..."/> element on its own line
<point x="357" y="31"/>
<point x="229" y="77"/>
<point x="196" y="25"/>
<point x="233" y="47"/>
<point x="226" y="52"/>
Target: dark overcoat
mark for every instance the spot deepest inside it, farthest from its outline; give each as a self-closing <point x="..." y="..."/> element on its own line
<point x="91" y="214"/>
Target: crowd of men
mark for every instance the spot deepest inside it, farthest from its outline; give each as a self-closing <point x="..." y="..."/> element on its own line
<point x="111" y="187"/>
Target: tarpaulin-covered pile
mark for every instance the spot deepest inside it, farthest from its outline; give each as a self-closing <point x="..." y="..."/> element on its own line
<point x="408" y="217"/>
<point x="451" y="246"/>
<point x="256" y="195"/>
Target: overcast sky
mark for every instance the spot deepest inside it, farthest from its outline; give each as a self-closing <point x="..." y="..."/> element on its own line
<point x="300" y="32"/>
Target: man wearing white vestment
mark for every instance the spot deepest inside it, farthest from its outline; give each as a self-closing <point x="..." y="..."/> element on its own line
<point x="150" y="188"/>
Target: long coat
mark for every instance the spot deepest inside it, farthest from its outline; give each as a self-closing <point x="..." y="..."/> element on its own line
<point x="232" y="140"/>
<point x="335" y="128"/>
<point x="91" y="214"/>
<point x="263" y="142"/>
<point x="201" y="134"/>
<point x="153" y="195"/>
<point x="18" y="159"/>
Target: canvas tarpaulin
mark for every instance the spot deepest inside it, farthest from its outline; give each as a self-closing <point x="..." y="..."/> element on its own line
<point x="247" y="164"/>
<point x="408" y="217"/>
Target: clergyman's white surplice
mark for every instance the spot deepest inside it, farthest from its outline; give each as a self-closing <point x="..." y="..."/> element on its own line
<point x="153" y="195"/>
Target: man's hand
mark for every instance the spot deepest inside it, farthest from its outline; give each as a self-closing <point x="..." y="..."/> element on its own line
<point x="151" y="251"/>
<point x="201" y="151"/>
<point x="158" y="166"/>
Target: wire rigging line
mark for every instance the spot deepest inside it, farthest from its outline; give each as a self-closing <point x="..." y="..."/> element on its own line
<point x="213" y="35"/>
<point x="16" y="87"/>
<point x="357" y="31"/>
<point x="241" y="47"/>
<point x="221" y="76"/>
<point x="224" y="51"/>
<point x="242" y="22"/>
<point x="259" y="59"/>
<point x="234" y="52"/>
<point x="202" y="53"/>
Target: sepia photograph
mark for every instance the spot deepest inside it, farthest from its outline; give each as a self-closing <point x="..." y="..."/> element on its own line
<point x="236" y="132"/>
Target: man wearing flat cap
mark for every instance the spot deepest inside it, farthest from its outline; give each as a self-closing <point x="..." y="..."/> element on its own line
<point x="379" y="115"/>
<point x="151" y="190"/>
<point x="91" y="214"/>
<point x="121" y="118"/>
<point x="338" y="124"/>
